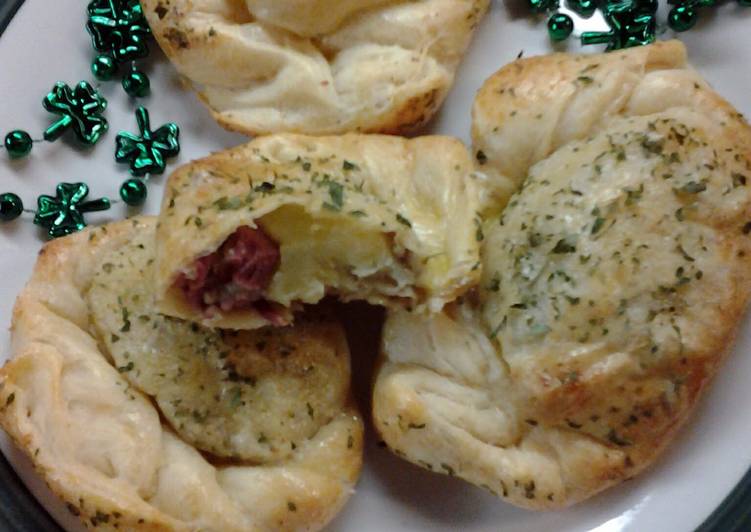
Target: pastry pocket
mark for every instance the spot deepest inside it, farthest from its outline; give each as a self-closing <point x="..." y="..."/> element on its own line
<point x="615" y="273"/>
<point x="317" y="66"/>
<point x="248" y="235"/>
<point x="139" y="421"/>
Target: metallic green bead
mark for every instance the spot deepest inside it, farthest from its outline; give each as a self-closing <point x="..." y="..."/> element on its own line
<point x="136" y="84"/>
<point x="18" y="143"/>
<point x="560" y="27"/>
<point x="584" y="8"/>
<point x="11" y="207"/>
<point x="540" y="6"/>
<point x="745" y="3"/>
<point x="147" y="153"/>
<point x="631" y="22"/>
<point x="118" y="28"/>
<point x="104" y="67"/>
<point x="63" y="214"/>
<point x="682" y="18"/>
<point x="79" y="109"/>
<point x="133" y="192"/>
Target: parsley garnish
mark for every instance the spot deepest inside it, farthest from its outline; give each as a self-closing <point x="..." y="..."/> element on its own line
<point x="265" y="187"/>
<point x="402" y="220"/>
<point x="125" y="369"/>
<point x="235" y="399"/>
<point x="336" y="193"/>
<point x="693" y="187"/>
<point x="126" y="320"/>
<point x="224" y="203"/>
<point x="599" y="222"/>
<point x="565" y="245"/>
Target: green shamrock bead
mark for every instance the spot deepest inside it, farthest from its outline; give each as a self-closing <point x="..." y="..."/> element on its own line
<point x="560" y="27"/>
<point x="136" y="84"/>
<point x="11" y="207"/>
<point x="18" y="143"/>
<point x="541" y="6"/>
<point x="118" y="28"/>
<point x="631" y="22"/>
<point x="146" y="153"/>
<point x="79" y="109"/>
<point x="104" y="67"/>
<point x="63" y="214"/>
<point x="682" y="18"/>
<point x="133" y="192"/>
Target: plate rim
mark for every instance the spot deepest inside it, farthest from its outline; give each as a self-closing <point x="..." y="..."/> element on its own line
<point x="20" y="511"/>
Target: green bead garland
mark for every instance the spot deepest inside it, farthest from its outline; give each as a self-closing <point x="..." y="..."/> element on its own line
<point x="682" y="18"/>
<point x="79" y="108"/>
<point x="541" y="6"/>
<point x="63" y="213"/>
<point x="104" y="67"/>
<point x="146" y="152"/>
<point x="11" y="207"/>
<point x="630" y="22"/>
<point x="136" y="84"/>
<point x="133" y="192"/>
<point x="18" y="143"/>
<point x="560" y="27"/>
<point x="583" y="8"/>
<point x="119" y="31"/>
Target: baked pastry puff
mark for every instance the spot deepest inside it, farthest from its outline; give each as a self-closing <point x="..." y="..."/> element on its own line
<point x="248" y="235"/>
<point x="142" y="422"/>
<point x="616" y="268"/>
<point x="317" y="66"/>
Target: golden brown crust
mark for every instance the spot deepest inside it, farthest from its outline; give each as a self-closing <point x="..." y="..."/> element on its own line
<point x="99" y="442"/>
<point x="413" y="199"/>
<point x="372" y="66"/>
<point x="613" y="280"/>
<point x="531" y="107"/>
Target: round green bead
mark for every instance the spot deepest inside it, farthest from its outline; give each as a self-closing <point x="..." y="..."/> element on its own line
<point x="18" y="143"/>
<point x="584" y="8"/>
<point x="745" y="3"/>
<point x="560" y="27"/>
<point x="133" y="192"/>
<point x="11" y="207"/>
<point x="104" y="67"/>
<point x="682" y="18"/>
<point x="136" y="84"/>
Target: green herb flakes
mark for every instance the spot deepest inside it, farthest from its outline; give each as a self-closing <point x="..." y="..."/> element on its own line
<point x="402" y="220"/>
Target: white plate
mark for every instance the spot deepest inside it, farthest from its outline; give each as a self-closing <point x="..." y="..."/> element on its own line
<point x="46" y="42"/>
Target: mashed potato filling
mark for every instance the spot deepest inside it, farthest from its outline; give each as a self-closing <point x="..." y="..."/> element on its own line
<point x="293" y="258"/>
<point x="334" y="254"/>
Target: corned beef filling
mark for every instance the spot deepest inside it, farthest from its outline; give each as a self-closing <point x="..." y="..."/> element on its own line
<point x="235" y="276"/>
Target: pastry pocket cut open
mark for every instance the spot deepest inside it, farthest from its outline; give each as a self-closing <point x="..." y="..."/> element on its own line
<point x="142" y="422"/>
<point x="248" y="235"/>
